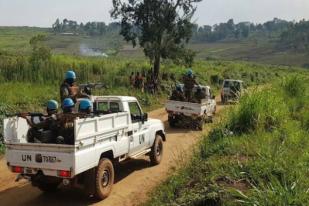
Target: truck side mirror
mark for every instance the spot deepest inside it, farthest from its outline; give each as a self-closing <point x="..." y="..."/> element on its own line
<point x="145" y="117"/>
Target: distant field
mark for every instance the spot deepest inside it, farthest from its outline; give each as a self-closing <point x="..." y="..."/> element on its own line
<point x="16" y="40"/>
<point x="251" y="50"/>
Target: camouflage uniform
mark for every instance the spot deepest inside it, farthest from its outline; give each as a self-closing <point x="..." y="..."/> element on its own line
<point x="66" y="126"/>
<point x="71" y="91"/>
<point x="189" y="83"/>
<point x="48" y="123"/>
<point x="68" y="91"/>
<point x="177" y="96"/>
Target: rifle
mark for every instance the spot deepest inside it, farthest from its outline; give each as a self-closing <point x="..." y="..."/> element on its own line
<point x="30" y="114"/>
<point x="87" y="88"/>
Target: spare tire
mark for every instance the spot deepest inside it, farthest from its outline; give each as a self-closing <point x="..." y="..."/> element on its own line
<point x="44" y="136"/>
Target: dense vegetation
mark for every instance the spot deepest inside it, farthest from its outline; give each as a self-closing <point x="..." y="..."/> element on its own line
<point x="258" y="154"/>
<point x="89" y="28"/>
<point x="296" y="36"/>
<point x="242" y="30"/>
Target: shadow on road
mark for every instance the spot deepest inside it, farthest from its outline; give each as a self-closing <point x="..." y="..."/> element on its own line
<point x="28" y="195"/>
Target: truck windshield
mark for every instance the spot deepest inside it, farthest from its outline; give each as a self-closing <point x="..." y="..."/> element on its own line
<point x="108" y="107"/>
<point x="226" y="84"/>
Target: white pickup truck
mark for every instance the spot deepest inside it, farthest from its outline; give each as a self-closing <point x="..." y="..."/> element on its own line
<point x="120" y="131"/>
<point x="192" y="115"/>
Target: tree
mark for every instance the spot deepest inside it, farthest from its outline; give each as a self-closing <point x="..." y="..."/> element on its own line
<point x="160" y="27"/>
<point x="57" y="26"/>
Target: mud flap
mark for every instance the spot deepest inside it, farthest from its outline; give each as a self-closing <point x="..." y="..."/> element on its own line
<point x="89" y="181"/>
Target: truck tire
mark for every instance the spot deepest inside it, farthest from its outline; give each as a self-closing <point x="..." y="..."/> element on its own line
<point x="222" y="99"/>
<point x="172" y="122"/>
<point x="199" y="124"/>
<point x="156" y="151"/>
<point x="104" y="179"/>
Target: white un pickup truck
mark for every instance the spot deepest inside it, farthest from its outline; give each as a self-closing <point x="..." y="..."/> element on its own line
<point x="119" y="131"/>
<point x="189" y="114"/>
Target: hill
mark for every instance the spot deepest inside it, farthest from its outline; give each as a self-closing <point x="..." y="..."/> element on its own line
<point x="276" y="42"/>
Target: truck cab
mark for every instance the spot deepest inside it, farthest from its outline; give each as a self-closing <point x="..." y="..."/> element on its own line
<point x="117" y="130"/>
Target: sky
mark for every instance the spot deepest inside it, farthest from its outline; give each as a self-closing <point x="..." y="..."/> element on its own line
<point x="43" y="13"/>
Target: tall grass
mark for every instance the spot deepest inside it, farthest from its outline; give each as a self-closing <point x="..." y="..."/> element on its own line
<point x="263" y="110"/>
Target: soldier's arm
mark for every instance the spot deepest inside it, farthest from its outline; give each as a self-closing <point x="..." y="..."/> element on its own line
<point x="65" y="92"/>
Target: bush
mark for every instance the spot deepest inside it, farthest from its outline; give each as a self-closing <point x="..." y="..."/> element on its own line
<point x="260" y="110"/>
<point x="295" y="96"/>
<point x="293" y="86"/>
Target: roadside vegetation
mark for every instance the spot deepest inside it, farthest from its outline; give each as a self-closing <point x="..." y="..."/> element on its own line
<point x="34" y="79"/>
<point x="257" y="155"/>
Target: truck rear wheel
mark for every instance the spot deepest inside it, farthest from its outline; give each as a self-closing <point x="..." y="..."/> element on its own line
<point x="223" y="100"/>
<point x="172" y="121"/>
<point x="156" y="151"/>
<point x="104" y="178"/>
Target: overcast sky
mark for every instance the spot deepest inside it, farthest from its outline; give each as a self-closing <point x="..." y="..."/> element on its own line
<point x="44" y="12"/>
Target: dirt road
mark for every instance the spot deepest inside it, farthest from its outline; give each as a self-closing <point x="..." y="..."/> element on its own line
<point x="134" y="179"/>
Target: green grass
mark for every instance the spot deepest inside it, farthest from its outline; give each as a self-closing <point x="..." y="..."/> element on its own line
<point x="263" y="162"/>
<point x="254" y="50"/>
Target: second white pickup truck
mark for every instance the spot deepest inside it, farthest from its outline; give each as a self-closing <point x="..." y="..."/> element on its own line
<point x="120" y="131"/>
<point x="189" y="114"/>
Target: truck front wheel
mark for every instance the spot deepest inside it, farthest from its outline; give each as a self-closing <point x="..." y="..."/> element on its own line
<point x="104" y="178"/>
<point x="156" y="151"/>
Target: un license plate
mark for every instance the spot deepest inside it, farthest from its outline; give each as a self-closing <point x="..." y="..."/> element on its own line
<point x="28" y="171"/>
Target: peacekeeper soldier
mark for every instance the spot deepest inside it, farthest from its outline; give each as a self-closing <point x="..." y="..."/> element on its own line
<point x="177" y="94"/>
<point x="49" y="122"/>
<point x="199" y="95"/>
<point x="189" y="83"/>
<point x="69" y="88"/>
<point x="66" y="119"/>
<point x="66" y="122"/>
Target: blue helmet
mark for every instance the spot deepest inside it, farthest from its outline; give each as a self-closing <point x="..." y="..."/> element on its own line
<point x="70" y="75"/>
<point x="190" y="72"/>
<point x="85" y="104"/>
<point x="52" y="105"/>
<point x="68" y="103"/>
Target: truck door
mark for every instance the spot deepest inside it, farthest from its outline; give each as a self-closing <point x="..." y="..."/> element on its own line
<point x="140" y="135"/>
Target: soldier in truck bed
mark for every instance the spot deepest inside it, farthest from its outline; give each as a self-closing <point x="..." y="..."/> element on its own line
<point x="66" y="123"/>
<point x="66" y="119"/>
<point x="69" y="88"/>
<point x="189" y="83"/>
<point x="49" y="122"/>
<point x="199" y="95"/>
<point x="177" y="94"/>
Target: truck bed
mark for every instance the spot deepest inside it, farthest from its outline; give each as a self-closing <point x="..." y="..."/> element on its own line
<point x="186" y="108"/>
<point x="91" y="136"/>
